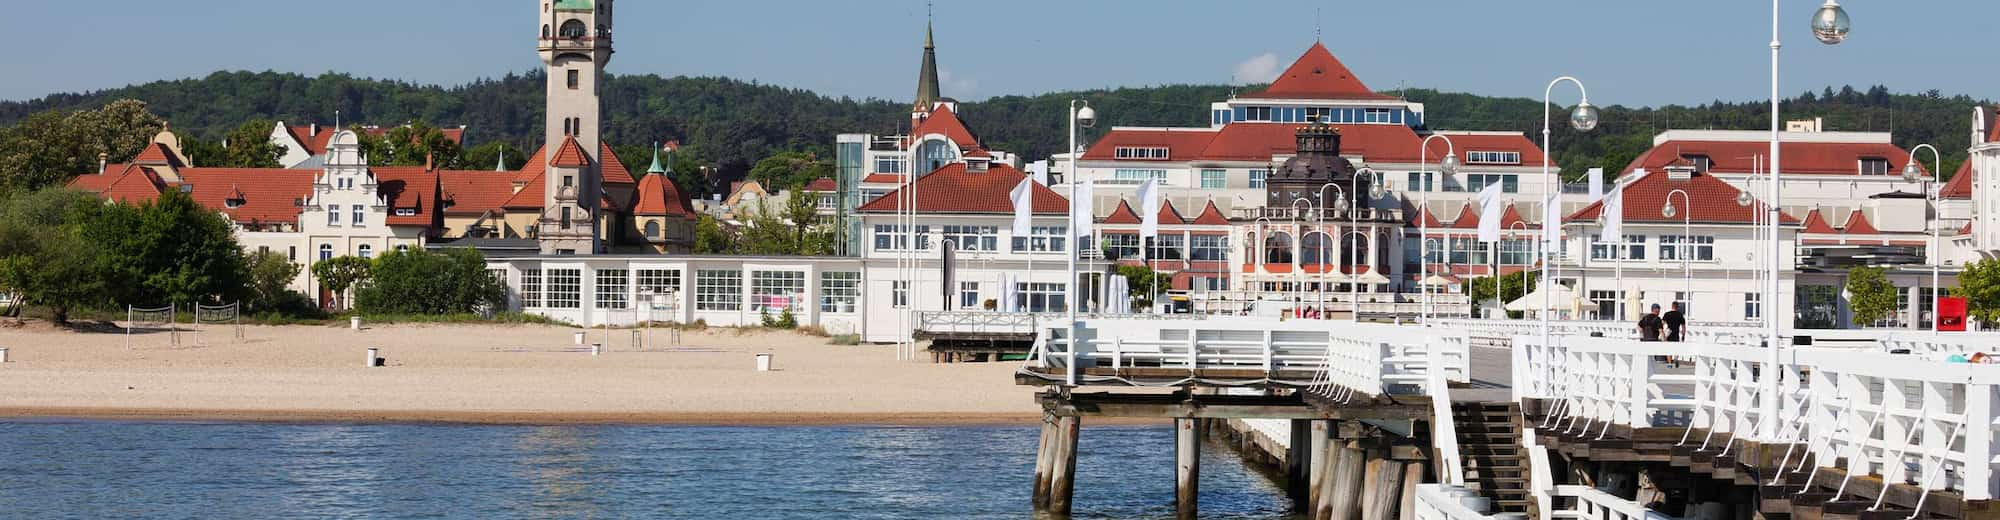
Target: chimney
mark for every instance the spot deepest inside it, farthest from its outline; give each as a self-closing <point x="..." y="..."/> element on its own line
<point x="102" y="159"/>
<point x="315" y="130"/>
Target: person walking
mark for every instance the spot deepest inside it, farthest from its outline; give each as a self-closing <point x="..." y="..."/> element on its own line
<point x="1676" y="322"/>
<point x="1650" y="325"/>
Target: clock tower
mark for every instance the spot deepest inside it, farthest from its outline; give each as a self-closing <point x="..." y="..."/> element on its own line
<point x="575" y="45"/>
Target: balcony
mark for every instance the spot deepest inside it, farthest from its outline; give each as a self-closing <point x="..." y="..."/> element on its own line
<point x="582" y="43"/>
<point x="1319" y="214"/>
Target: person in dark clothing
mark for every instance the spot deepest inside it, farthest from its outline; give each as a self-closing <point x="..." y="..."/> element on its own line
<point x="1676" y="322"/>
<point x="1650" y="325"/>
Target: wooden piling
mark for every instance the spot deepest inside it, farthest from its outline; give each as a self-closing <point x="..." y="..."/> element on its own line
<point x="1388" y="489"/>
<point x="1298" y="463"/>
<point x="1316" y="467"/>
<point x="1187" y="466"/>
<point x="1329" y="480"/>
<point x="1371" y="485"/>
<point x="1062" y="474"/>
<point x="1044" y="461"/>
<point x="1413" y="474"/>
<point x="1349" y="474"/>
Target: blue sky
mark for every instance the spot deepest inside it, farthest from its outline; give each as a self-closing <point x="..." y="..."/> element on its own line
<point x="1628" y="52"/>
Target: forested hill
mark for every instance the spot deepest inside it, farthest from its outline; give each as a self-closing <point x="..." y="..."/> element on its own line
<point x="733" y="124"/>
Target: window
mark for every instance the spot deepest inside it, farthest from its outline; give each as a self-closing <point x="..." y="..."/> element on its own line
<point x="406" y="212"/>
<point x="402" y="248"/>
<point x="1508" y="183"/>
<point x="1121" y="245"/>
<point x="1753" y="306"/>
<point x="1140" y="152"/>
<point x="1468" y="251"/>
<point x="1635" y="248"/>
<point x="325" y="252"/>
<point x="968" y="295"/>
<point x="1607" y="304"/>
<point x="359" y="212"/>
<point x="825" y="202"/>
<point x="565" y="218"/>
<point x="1257" y="176"/>
<point x="531" y="288"/>
<point x="899" y="296"/>
<point x="1422" y="181"/>
<point x="1874" y="166"/>
<point x="658" y="281"/>
<point x="973" y="238"/>
<point x="611" y="285"/>
<point x="565" y="288"/>
<point x="718" y="290"/>
<point x="1378" y="115"/>
<point x="364" y="251"/>
<point x="1214" y="179"/>
<point x="573" y="79"/>
<point x="1516" y="252"/>
<point x="1044" y="239"/>
<point x="839" y="291"/>
<point x="1478" y="157"/>
<point x="1686" y="302"/>
<point x="1211" y="248"/>
<point x="1041" y="297"/>
<point x="890" y="164"/>
<point x="1701" y="162"/>
<point x="292" y="253"/>
<point x="776" y="291"/>
<point x="333" y="215"/>
<point x="652" y="229"/>
<point x="1926" y="298"/>
<point x="1132" y="176"/>
<point x="1167" y="246"/>
<point x="890" y="237"/>
<point x="1318" y="114"/>
<point x="1696" y="248"/>
<point x="1256" y="113"/>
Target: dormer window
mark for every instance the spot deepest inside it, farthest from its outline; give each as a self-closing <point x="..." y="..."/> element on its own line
<point x="1140" y="152"/>
<point x="1701" y="162"/>
<point x="233" y="203"/>
<point x="406" y="212"/>
<point x="1874" y="166"/>
<point x="1479" y="157"/>
<point x="975" y="166"/>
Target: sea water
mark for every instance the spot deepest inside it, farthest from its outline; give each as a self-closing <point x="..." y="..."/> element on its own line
<point x="99" y="469"/>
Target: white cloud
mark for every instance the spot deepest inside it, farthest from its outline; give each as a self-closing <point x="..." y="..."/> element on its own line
<point x="955" y="86"/>
<point x="1262" y="68"/>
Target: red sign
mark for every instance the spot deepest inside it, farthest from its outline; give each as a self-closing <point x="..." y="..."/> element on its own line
<point x="1951" y="314"/>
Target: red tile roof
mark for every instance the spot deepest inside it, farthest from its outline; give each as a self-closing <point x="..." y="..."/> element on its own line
<point x="134" y="186"/>
<point x="472" y="193"/>
<point x="1168" y="215"/>
<point x="1317" y="75"/>
<point x="1799" y="157"/>
<point x="269" y="195"/>
<point x="570" y="155"/>
<point x="156" y="153"/>
<point x="1424" y="218"/>
<point x="660" y="197"/>
<point x="611" y="168"/>
<point x="823" y="185"/>
<point x="1468" y="218"/>
<point x="883" y="178"/>
<point x="1857" y="224"/>
<point x="408" y="188"/>
<point x="952" y="189"/>
<point x="1181" y="145"/>
<point x="1123" y="214"/>
<point x="1211" y="216"/>
<point x="942" y="121"/>
<point x="1713" y="201"/>
<point x="1816" y="223"/>
<point x="1960" y="185"/>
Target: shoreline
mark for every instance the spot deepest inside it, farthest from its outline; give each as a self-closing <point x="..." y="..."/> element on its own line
<point x="541" y="418"/>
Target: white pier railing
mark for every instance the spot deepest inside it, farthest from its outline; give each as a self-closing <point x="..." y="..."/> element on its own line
<point x="1445" y="502"/>
<point x="1901" y="417"/>
<point x="1366" y="357"/>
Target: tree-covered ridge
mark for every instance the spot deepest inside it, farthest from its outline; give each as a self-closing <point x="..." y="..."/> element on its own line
<point x="731" y="125"/>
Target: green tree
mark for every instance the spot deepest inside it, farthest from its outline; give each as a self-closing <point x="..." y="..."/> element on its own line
<point x="422" y="282"/>
<point x="789" y="170"/>
<point x="47" y="148"/>
<point x="711" y="239"/>
<point x="248" y="146"/>
<point x="340" y="274"/>
<point x="1143" y="282"/>
<point x="417" y="144"/>
<point x="1979" y="284"/>
<point x="1871" y="297"/>
<point x="44" y="258"/>
<point x="187" y="253"/>
<point x="271" y="276"/>
<point x="491" y="154"/>
<point x="1513" y="286"/>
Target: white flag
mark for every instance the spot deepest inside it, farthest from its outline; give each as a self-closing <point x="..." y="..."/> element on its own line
<point x="1614" y="216"/>
<point x="1081" y="217"/>
<point x="1024" y="207"/>
<point x="1489" y="213"/>
<point x="1596" y="184"/>
<point x="1149" y="209"/>
<point x="1552" y="223"/>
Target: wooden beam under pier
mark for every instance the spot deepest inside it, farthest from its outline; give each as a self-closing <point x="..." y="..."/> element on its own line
<point x="1181" y="405"/>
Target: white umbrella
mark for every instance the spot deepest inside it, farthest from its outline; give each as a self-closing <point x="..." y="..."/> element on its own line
<point x="1558" y="300"/>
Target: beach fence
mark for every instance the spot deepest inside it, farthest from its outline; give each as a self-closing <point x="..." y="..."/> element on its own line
<point x="229" y="316"/>
<point x="145" y="319"/>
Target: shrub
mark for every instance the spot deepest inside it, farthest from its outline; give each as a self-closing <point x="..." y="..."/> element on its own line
<point x="422" y="282"/>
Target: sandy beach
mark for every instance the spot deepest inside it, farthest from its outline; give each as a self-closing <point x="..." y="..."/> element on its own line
<point x="492" y="374"/>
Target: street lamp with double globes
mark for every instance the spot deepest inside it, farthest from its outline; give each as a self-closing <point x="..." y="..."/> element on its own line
<point x="1446" y="168"/>
<point x="1375" y="191"/>
<point x="1830" y="24"/>
<point x="1583" y="118"/>
<point x="1685" y="249"/>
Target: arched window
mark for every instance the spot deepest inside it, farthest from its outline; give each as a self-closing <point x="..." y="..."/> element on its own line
<point x="365" y="251"/>
<point x="575" y="29"/>
<point x="934" y="154"/>
<point x="1278" y="248"/>
<point x="325" y="252"/>
<point x="546" y="32"/>
<point x="1354" y="249"/>
<point x="652" y="229"/>
<point x="1316" y="249"/>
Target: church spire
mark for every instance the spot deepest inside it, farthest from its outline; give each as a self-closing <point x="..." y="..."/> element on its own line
<point x="656" y="169"/>
<point x="927" y="78"/>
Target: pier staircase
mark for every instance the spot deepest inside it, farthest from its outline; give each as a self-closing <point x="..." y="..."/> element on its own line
<point x="1489" y="442"/>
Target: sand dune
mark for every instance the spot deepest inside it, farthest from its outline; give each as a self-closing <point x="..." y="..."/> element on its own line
<point x="495" y="374"/>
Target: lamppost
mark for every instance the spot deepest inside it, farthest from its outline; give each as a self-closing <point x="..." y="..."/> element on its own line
<point x="1913" y="174"/>
<point x="1686" y="246"/>
<point x="1298" y="259"/>
<point x="1584" y="119"/>
<point x="1354" y="221"/>
<point x="1259" y="252"/>
<point x="1446" y="168"/>
<point x="1830" y="26"/>
<point x="1080" y="114"/>
<point x="1333" y="249"/>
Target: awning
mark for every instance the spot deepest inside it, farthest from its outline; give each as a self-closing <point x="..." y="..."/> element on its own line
<point x="1440" y="281"/>
<point x="1559" y="300"/>
<point x="1373" y="278"/>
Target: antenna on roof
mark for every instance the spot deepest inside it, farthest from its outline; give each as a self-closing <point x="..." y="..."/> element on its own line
<point x="336" y="120"/>
<point x="1315" y="25"/>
